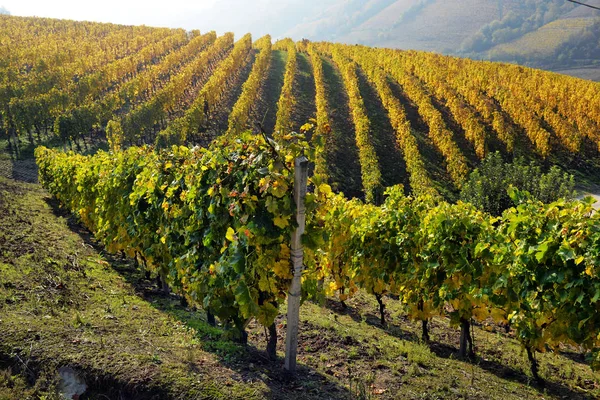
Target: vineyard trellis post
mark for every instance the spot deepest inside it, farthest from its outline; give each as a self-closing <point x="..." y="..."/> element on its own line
<point x="297" y="255"/>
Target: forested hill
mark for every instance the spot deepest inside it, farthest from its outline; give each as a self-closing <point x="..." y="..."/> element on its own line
<point x="387" y="116"/>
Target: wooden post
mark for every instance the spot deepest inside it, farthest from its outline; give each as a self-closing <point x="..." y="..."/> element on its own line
<point x="297" y="252"/>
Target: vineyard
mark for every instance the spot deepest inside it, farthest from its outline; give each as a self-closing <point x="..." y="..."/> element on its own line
<point x="435" y="116"/>
<point x="195" y="181"/>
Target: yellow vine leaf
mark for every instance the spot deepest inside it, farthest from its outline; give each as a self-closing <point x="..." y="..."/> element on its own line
<point x="230" y="235"/>
<point x="280" y="222"/>
<point x="325" y="189"/>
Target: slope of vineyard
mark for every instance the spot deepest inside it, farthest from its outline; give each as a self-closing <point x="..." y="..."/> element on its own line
<point x="176" y="88"/>
<point x="195" y="190"/>
<point x="100" y="315"/>
<point x="65" y="301"/>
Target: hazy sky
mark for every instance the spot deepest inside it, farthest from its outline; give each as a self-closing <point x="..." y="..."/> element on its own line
<point x="132" y="12"/>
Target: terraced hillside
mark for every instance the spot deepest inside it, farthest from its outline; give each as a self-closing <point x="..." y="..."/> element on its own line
<point x="387" y="116"/>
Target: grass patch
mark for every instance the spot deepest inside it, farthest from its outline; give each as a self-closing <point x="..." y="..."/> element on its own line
<point x="66" y="302"/>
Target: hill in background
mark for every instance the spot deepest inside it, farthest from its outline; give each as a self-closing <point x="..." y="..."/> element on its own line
<point x="549" y="34"/>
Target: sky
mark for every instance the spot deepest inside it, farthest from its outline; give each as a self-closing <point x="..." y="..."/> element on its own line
<point x="170" y="13"/>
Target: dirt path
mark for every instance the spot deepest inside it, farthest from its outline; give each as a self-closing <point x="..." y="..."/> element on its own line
<point x="391" y="161"/>
<point x="304" y="93"/>
<point x="265" y="110"/>
<point x="342" y="153"/>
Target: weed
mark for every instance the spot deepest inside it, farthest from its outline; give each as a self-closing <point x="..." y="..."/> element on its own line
<point x="420" y="355"/>
<point x="414" y="370"/>
<point x="78" y="321"/>
<point x="361" y="384"/>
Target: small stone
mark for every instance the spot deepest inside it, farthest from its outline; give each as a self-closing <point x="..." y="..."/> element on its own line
<point x="71" y="385"/>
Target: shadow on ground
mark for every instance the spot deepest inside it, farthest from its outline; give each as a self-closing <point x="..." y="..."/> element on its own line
<point x="446" y="351"/>
<point x="249" y="362"/>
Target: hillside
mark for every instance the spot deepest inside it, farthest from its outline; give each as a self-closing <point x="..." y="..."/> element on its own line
<point x="423" y="114"/>
<point x="426" y="25"/>
<point x="500" y="30"/>
<point x="478" y="29"/>
<point x="407" y="24"/>
<point x="542" y="43"/>
<point x="532" y="33"/>
<point x="65" y="301"/>
<point x="191" y="207"/>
